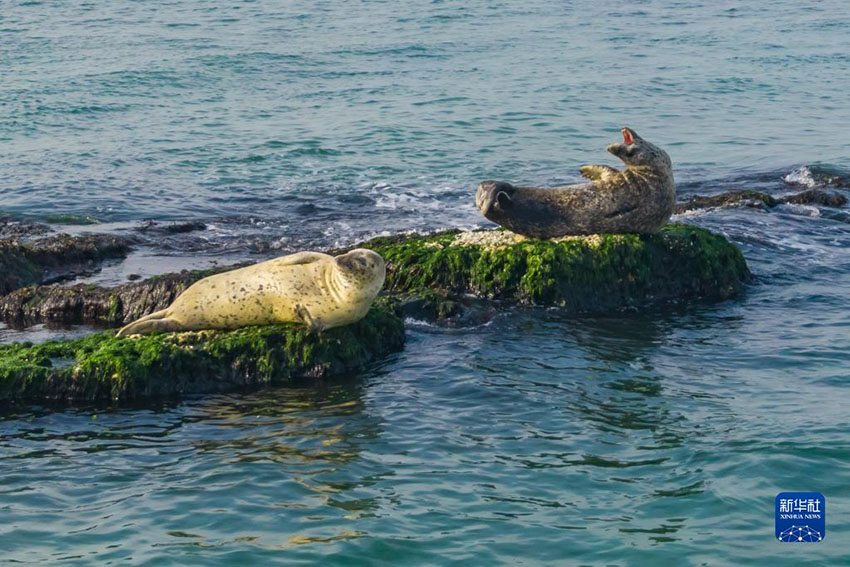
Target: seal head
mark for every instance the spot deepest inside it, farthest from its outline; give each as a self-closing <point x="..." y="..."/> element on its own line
<point x="362" y="269"/>
<point x="494" y="198"/>
<point x="637" y="152"/>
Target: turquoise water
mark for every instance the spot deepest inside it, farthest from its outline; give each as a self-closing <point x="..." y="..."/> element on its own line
<point x="656" y="438"/>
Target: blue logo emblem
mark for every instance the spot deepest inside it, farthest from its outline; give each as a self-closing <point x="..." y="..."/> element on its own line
<point x="800" y="517"/>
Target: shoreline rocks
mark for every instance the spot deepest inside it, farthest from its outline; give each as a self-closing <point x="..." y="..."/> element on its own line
<point x="433" y="276"/>
<point x="87" y="303"/>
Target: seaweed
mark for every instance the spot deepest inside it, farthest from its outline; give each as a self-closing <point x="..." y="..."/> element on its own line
<point x="104" y="367"/>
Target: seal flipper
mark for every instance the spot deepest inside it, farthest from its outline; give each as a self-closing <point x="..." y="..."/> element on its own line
<point x="597" y="172"/>
<point x="156" y="321"/>
<point x="313" y="324"/>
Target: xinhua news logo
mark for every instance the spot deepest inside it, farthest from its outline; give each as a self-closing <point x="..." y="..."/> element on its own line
<point x="800" y="517"/>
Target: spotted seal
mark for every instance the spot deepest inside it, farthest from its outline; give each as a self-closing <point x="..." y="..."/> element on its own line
<point x="316" y="289"/>
<point x="638" y="199"/>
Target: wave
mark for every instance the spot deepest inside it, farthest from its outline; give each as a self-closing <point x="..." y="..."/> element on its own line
<point x="816" y="176"/>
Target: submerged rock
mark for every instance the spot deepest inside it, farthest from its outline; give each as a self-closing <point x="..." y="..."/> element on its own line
<point x="65" y="218"/>
<point x="155" y="227"/>
<point x="591" y="274"/>
<point x="104" y="367"/>
<point x="55" y="257"/>
<point x="760" y="200"/>
<point x="731" y="198"/>
<point x="816" y="197"/>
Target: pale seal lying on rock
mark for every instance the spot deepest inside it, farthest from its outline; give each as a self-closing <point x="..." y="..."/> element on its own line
<point x="638" y="199"/>
<point x="316" y="289"/>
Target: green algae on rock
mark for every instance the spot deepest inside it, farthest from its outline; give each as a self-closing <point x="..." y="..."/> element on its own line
<point x="583" y="274"/>
<point x="104" y="367"/>
<point x="590" y="274"/>
<point x="598" y="273"/>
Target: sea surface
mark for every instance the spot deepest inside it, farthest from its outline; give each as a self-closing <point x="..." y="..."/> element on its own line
<point x="652" y="438"/>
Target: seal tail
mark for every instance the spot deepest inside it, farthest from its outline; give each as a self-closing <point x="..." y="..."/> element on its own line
<point x="149" y="324"/>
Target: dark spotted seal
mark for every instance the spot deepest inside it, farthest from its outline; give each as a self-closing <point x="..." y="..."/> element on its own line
<point x="318" y="290"/>
<point x="638" y="199"/>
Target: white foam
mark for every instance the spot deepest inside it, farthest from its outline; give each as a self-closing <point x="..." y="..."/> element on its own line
<point x="805" y="210"/>
<point x="802" y="176"/>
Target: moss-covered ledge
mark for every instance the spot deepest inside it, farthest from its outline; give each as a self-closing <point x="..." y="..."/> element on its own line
<point x="583" y="274"/>
<point x="103" y="367"/>
<point x="591" y="274"/>
<point x="600" y="273"/>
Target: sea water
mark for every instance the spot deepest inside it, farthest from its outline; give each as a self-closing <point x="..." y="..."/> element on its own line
<point x="650" y="438"/>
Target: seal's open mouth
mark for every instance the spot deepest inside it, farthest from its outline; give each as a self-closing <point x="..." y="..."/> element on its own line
<point x="627" y="136"/>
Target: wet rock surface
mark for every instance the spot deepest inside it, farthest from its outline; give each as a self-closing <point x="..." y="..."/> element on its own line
<point x="759" y="199"/>
<point x="86" y="303"/>
<point x="56" y="257"/>
<point x="816" y="197"/>
<point x="433" y="274"/>
<point x="593" y="274"/>
<point x="17" y="228"/>
<point x="154" y="227"/>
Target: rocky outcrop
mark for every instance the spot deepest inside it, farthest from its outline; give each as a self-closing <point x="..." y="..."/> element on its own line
<point x="761" y="200"/>
<point x="432" y="275"/>
<point x="816" y="197"/>
<point x="55" y="257"/>
<point x="18" y="228"/>
<point x="103" y="367"/>
<point x="86" y="303"/>
<point x="592" y="274"/>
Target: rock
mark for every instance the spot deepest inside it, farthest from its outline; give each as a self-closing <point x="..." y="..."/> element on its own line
<point x="86" y="303"/>
<point x="449" y="310"/>
<point x="171" y="228"/>
<point x="592" y="274"/>
<point x="433" y="275"/>
<point x="16" y="228"/>
<point x="103" y="367"/>
<point x="55" y="257"/>
<point x="732" y="198"/>
<point x="816" y="197"/>
<point x="760" y="200"/>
